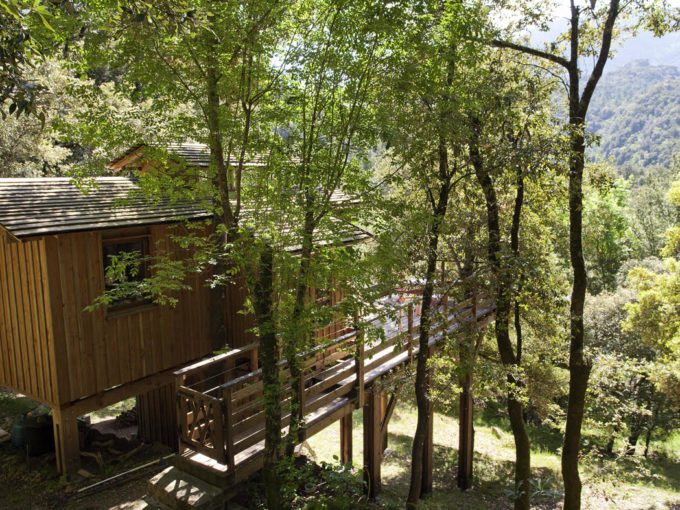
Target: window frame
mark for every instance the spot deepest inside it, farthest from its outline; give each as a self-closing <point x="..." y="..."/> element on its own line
<point x="124" y="306"/>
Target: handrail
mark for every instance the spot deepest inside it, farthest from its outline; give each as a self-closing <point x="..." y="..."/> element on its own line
<point x="236" y="419"/>
<point x="214" y="359"/>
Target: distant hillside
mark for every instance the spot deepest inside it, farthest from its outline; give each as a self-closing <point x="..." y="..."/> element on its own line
<point x="636" y="112"/>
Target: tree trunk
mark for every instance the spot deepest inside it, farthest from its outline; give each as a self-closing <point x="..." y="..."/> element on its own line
<point x="579" y="367"/>
<point x="635" y="432"/>
<point x="299" y="333"/>
<point x="271" y="383"/>
<point x="423" y="375"/>
<point x="466" y="355"/>
<point x="503" y="311"/>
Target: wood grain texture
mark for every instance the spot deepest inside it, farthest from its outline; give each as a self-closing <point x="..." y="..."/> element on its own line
<point x="25" y="324"/>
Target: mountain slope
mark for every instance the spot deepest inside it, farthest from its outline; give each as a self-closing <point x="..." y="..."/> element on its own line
<point x="636" y="113"/>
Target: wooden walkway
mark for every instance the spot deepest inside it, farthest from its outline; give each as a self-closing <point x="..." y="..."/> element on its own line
<point x="220" y="399"/>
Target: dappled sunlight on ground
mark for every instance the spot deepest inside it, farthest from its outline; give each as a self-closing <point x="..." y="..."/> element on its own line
<point x="625" y="484"/>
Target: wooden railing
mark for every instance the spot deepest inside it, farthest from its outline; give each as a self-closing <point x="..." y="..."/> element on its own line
<point x="221" y="402"/>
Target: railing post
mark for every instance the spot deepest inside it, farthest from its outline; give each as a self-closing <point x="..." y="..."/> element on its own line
<point x="474" y="304"/>
<point x="359" y="363"/>
<point x="181" y="413"/>
<point x="301" y="408"/>
<point x="228" y="427"/>
<point x="410" y="329"/>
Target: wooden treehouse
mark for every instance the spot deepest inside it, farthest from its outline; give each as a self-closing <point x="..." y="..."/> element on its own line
<point x="55" y="244"/>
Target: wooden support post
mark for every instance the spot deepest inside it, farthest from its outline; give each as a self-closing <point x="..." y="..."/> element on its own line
<point x="66" y="441"/>
<point x="466" y="436"/>
<point x="372" y="443"/>
<point x="410" y="330"/>
<point x="383" y="421"/>
<point x="428" y="450"/>
<point x="359" y="365"/>
<point x="228" y="423"/>
<point x="181" y="413"/>
<point x="346" y="439"/>
<point x="466" y="431"/>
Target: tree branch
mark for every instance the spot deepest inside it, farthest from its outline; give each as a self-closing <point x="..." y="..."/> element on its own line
<point x="607" y="33"/>
<point x="530" y="51"/>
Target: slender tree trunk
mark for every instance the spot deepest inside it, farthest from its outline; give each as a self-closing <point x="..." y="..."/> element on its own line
<point x="579" y="368"/>
<point x="299" y="333"/>
<point x="423" y="372"/>
<point x="650" y="428"/>
<point x="635" y="432"/>
<point x="466" y="355"/>
<point x="503" y="310"/>
<point x="271" y="383"/>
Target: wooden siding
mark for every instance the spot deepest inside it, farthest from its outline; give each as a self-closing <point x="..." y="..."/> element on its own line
<point x="157" y="416"/>
<point x="103" y="349"/>
<point x="238" y="324"/>
<point x="338" y="325"/>
<point x="27" y="362"/>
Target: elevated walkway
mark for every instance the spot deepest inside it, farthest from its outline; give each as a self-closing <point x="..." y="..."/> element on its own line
<point x="220" y="401"/>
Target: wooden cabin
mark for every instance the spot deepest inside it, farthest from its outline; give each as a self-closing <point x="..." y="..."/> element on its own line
<point x="54" y="246"/>
<point x="54" y="242"/>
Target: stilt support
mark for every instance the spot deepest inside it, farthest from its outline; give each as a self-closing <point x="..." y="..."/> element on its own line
<point x="383" y="413"/>
<point x="346" y="439"/>
<point x="66" y="442"/>
<point x="372" y="442"/>
<point x="465" y="437"/>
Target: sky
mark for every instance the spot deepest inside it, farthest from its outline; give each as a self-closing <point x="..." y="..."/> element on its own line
<point x="658" y="51"/>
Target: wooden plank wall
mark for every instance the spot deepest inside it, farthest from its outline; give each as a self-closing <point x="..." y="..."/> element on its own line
<point x="101" y="349"/>
<point x="27" y="361"/>
<point x="238" y="324"/>
<point x="157" y="416"/>
<point x="338" y="326"/>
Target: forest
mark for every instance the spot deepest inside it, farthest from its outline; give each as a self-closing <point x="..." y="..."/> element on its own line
<point x="474" y="159"/>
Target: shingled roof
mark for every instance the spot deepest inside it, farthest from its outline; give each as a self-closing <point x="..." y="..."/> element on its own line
<point x="193" y="154"/>
<point x="55" y="205"/>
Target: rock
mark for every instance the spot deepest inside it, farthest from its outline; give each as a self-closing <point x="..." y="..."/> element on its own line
<point x="4" y="436"/>
<point x="497" y="432"/>
<point x="84" y="473"/>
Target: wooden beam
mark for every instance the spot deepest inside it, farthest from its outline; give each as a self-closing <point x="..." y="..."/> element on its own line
<point x="383" y="418"/>
<point x="372" y="443"/>
<point x="118" y="393"/>
<point x="346" y="439"/>
<point x="465" y="436"/>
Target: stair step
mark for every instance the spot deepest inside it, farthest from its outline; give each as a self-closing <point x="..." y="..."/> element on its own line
<point x="181" y="491"/>
<point x="147" y="503"/>
<point x="203" y="467"/>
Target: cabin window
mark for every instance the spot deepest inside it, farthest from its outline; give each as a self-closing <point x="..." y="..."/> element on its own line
<point x="125" y="264"/>
<point x="322" y="297"/>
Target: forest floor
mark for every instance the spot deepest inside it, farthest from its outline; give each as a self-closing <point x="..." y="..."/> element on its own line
<point x="32" y="483"/>
<point x="619" y="482"/>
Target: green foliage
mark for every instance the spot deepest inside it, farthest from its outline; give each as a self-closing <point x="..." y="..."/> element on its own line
<point x="606" y="234"/>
